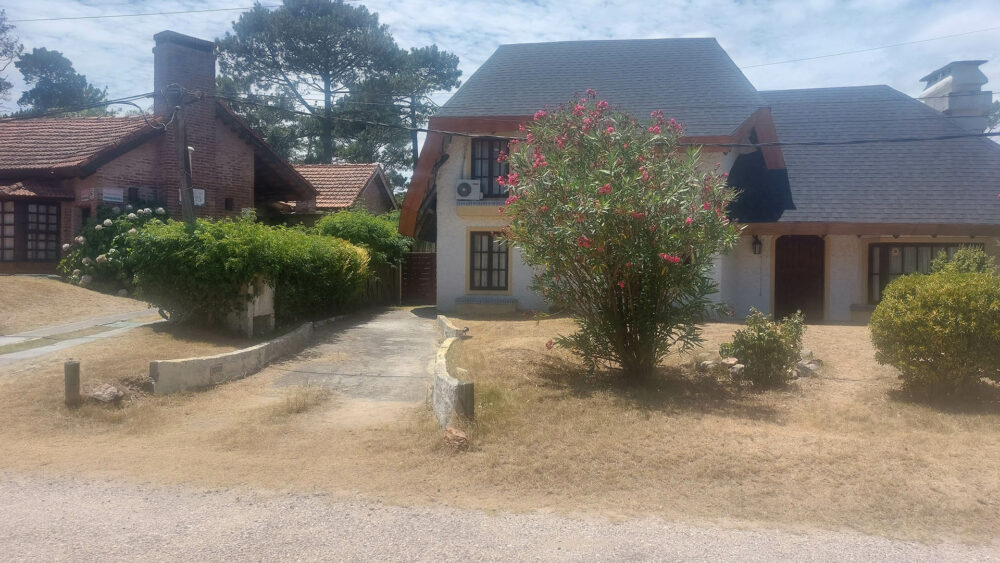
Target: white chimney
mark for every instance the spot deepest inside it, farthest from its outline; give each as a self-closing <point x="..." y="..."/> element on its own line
<point x="956" y="91"/>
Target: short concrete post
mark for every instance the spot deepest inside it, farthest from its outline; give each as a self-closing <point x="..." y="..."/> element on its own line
<point x="72" y="375"/>
<point x="465" y="400"/>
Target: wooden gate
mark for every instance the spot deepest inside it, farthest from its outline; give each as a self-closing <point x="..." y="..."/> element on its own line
<point x="798" y="277"/>
<point x="420" y="278"/>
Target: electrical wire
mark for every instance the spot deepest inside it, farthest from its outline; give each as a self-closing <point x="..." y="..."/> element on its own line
<point x="722" y="145"/>
<point x="866" y="50"/>
<point x="137" y="15"/>
<point x="129" y="100"/>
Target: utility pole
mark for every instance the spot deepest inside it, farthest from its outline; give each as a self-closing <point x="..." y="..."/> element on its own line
<point x="183" y="156"/>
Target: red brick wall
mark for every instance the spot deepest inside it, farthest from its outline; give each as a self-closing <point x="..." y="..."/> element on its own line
<point x="374" y="197"/>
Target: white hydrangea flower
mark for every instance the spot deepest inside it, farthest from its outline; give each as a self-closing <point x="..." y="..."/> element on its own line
<point x="86" y="261"/>
<point x="98" y="227"/>
<point x="65" y="247"/>
<point x="86" y="279"/>
<point x="101" y="259"/>
<point x="133" y="216"/>
<point x="147" y="211"/>
<point x="132" y="231"/>
<point x="80" y="240"/>
<point x="76" y="272"/>
<point x="160" y="211"/>
<point x="108" y="223"/>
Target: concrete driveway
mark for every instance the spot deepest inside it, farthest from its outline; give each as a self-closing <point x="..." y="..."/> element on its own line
<point x="382" y="356"/>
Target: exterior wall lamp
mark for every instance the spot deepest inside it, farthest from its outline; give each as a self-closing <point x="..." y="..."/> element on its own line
<point x="756" y="245"/>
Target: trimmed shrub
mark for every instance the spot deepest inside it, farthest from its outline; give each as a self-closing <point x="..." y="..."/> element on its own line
<point x="967" y="260"/>
<point x="941" y="331"/>
<point x="197" y="274"/>
<point x="767" y="349"/>
<point x="379" y="234"/>
<point x="98" y="256"/>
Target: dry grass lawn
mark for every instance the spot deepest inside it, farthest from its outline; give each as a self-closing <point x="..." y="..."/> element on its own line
<point x="843" y="450"/>
<point x="28" y="303"/>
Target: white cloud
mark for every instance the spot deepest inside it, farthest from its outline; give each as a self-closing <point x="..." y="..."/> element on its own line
<point x="116" y="52"/>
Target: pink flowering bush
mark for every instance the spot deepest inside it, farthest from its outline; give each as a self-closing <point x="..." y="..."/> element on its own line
<point x="622" y="226"/>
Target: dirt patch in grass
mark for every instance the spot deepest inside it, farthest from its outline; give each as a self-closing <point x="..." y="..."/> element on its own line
<point x="839" y="451"/>
<point x="28" y="302"/>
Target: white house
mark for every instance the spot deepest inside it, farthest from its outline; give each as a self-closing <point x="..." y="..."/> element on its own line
<point x="827" y="226"/>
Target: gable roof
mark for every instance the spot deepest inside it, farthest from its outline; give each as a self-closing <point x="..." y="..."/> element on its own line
<point x="692" y="80"/>
<point x="67" y="146"/>
<point x="338" y="185"/>
<point x="954" y="181"/>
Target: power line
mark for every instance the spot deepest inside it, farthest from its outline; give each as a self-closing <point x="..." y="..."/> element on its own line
<point x="842" y="53"/>
<point x="129" y="99"/>
<point x="137" y="15"/>
<point x="722" y="145"/>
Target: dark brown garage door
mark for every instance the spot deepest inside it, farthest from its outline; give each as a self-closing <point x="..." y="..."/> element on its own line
<point x="798" y="277"/>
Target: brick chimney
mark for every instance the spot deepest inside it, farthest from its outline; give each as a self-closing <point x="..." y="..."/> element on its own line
<point x="183" y="60"/>
<point x="190" y="63"/>
<point x="956" y="91"/>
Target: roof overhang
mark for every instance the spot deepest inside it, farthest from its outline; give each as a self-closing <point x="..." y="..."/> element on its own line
<point x="868" y="229"/>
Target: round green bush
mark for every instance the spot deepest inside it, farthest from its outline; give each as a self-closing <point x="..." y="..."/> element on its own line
<point x="941" y="331"/>
<point x="379" y="234"/>
<point x="767" y="349"/>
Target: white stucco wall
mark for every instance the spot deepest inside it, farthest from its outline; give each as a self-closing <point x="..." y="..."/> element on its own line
<point x="744" y="278"/>
<point x="453" y="239"/>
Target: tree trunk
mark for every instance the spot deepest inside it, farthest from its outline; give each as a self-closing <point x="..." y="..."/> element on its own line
<point x="326" y="132"/>
<point x="413" y="129"/>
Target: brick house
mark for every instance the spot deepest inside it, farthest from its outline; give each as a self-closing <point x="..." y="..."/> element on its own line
<point x="339" y="186"/>
<point x="56" y="172"/>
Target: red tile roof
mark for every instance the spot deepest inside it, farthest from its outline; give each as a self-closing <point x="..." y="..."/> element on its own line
<point x="32" y="188"/>
<point x="64" y="145"/>
<point x="337" y="185"/>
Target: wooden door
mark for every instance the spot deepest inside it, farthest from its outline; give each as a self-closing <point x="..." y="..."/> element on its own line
<point x="798" y="277"/>
<point x="419" y="278"/>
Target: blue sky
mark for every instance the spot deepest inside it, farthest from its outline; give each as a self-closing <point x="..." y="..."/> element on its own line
<point x="117" y="52"/>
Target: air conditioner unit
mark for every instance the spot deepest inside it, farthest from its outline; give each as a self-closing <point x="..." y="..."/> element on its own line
<point x="468" y="190"/>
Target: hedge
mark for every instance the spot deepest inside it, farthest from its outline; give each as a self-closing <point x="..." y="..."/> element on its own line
<point x="198" y="273"/>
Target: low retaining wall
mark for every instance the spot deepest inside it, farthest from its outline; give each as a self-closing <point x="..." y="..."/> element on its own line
<point x="174" y="376"/>
<point x="449" y="395"/>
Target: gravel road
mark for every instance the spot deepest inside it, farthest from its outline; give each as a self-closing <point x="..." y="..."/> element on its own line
<point x="45" y="518"/>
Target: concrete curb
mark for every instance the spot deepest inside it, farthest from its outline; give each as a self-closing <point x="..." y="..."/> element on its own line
<point x="174" y="376"/>
<point x="448" y="329"/>
<point x="449" y="395"/>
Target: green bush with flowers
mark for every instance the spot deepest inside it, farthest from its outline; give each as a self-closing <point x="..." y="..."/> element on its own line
<point x="98" y="256"/>
<point x="621" y="222"/>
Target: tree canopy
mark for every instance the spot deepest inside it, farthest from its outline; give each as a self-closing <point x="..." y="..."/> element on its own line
<point x="10" y="49"/>
<point x="327" y="70"/>
<point x="54" y="83"/>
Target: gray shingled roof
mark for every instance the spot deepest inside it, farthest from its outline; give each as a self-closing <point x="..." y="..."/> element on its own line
<point x="692" y="80"/>
<point x="947" y="181"/>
